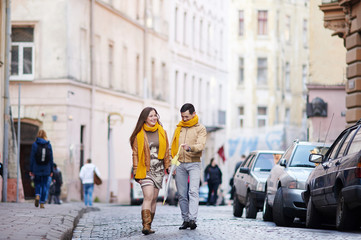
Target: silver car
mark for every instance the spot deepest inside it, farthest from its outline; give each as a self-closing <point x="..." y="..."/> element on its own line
<point x="249" y="182"/>
<point x="283" y="200"/>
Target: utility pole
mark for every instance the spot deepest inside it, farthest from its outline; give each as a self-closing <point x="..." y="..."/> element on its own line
<point x="6" y="101"/>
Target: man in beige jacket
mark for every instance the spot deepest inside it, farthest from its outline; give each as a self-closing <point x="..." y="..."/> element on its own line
<point x="191" y="136"/>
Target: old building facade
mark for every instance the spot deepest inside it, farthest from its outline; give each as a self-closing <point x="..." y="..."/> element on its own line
<point x="344" y="19"/>
<point x="88" y="68"/>
<point x="325" y="81"/>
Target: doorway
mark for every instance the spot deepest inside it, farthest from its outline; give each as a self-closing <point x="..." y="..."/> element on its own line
<point x="28" y="134"/>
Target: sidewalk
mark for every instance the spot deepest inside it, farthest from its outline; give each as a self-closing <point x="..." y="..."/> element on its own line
<point x="25" y="221"/>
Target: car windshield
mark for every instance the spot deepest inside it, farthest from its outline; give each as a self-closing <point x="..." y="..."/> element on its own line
<point x="265" y="162"/>
<point x="302" y="153"/>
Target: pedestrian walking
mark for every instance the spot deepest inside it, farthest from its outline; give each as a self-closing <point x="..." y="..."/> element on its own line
<point x="213" y="177"/>
<point x="41" y="166"/>
<point x="191" y="136"/>
<point x="57" y="181"/>
<point x="150" y="146"/>
<point x="87" y="177"/>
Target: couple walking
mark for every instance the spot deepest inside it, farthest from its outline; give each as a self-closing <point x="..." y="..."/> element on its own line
<point x="151" y="158"/>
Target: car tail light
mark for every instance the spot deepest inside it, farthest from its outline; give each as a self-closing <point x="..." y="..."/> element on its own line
<point x="358" y="169"/>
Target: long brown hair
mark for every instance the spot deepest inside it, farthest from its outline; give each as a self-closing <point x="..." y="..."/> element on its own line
<point x="141" y="120"/>
<point x="42" y="134"/>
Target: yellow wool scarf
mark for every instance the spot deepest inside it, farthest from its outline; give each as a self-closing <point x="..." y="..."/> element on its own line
<point x="175" y="141"/>
<point x="141" y="168"/>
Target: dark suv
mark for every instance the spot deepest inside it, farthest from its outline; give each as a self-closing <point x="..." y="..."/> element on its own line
<point x="333" y="189"/>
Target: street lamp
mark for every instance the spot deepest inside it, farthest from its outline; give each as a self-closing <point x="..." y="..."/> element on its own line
<point x="121" y="119"/>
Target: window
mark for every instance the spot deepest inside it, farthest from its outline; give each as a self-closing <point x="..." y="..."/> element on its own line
<point x="262" y="23"/>
<point x="288" y="29"/>
<point x="22" y="53"/>
<point x="347" y="140"/>
<point x="110" y="65"/>
<point x="209" y="39"/>
<point x="287" y="76"/>
<point x="356" y="143"/>
<point x="125" y="69"/>
<point x="335" y="150"/>
<point x="304" y="77"/>
<point x="241" y="117"/>
<point x="153" y="79"/>
<point x="194" y="32"/>
<point x="261" y="116"/>
<point x="184" y="87"/>
<point x="201" y="36"/>
<point x="240" y="23"/>
<point x="221" y="45"/>
<point x="305" y="33"/>
<point x="137" y="75"/>
<point x="185" y="29"/>
<point x="176" y="25"/>
<point x="240" y="71"/>
<point x="163" y="88"/>
<point x="288" y="116"/>
<point x="176" y="88"/>
<point x="262" y="71"/>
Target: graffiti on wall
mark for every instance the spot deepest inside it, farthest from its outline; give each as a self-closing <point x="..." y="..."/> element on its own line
<point x="243" y="141"/>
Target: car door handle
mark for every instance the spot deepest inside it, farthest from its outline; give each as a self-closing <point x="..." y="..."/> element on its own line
<point x="325" y="166"/>
<point x="338" y="163"/>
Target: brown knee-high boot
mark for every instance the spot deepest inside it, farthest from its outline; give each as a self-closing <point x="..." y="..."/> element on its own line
<point x="146" y="220"/>
<point x="152" y="217"/>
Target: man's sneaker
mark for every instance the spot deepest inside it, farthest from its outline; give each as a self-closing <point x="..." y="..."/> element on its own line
<point x="185" y="225"/>
<point x="37" y="198"/>
<point x="192" y="224"/>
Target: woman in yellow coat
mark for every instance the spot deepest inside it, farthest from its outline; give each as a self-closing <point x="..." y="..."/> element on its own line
<point x="150" y="145"/>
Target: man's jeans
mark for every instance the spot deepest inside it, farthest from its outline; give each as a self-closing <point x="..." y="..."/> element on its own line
<point x="40" y="187"/>
<point x="88" y="193"/>
<point x="188" y="198"/>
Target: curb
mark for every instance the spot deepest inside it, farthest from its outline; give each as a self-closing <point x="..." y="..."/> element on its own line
<point x="68" y="234"/>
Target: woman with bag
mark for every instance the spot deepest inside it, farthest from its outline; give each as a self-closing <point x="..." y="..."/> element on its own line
<point x="150" y="145"/>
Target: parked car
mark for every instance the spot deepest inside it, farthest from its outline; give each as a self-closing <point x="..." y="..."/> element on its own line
<point x="283" y="200"/>
<point x="203" y="194"/>
<point x="249" y="182"/>
<point x="333" y="189"/>
<point x="136" y="194"/>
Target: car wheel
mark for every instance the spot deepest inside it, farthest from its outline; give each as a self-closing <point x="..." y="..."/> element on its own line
<point x="313" y="217"/>
<point x="345" y="218"/>
<point x="237" y="207"/>
<point x="251" y="210"/>
<point x="267" y="210"/>
<point x="279" y="216"/>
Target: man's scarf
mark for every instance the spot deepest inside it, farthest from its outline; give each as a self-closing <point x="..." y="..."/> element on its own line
<point x="175" y="141"/>
<point x="141" y="169"/>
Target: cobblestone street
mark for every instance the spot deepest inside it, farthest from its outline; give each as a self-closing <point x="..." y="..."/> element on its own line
<point x="117" y="222"/>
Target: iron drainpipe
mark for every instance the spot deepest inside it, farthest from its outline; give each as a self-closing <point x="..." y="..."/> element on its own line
<point x="92" y="80"/>
<point x="6" y="100"/>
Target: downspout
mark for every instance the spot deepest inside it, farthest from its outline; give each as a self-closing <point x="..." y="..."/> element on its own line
<point x="92" y="80"/>
<point x="6" y="100"/>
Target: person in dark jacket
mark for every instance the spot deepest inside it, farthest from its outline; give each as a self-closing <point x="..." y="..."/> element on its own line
<point x="57" y="181"/>
<point x="213" y="177"/>
<point x="41" y="166"/>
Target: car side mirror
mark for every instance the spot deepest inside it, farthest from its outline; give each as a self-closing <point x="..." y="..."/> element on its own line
<point x="244" y="170"/>
<point x="315" y="158"/>
<point x="283" y="162"/>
